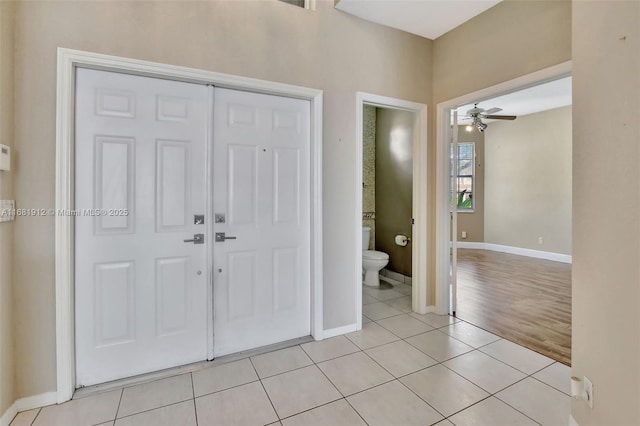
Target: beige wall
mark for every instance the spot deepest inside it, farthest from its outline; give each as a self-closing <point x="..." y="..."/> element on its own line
<point x="515" y="38"/>
<point x="394" y="185"/>
<point x="254" y="39"/>
<point x="473" y="222"/>
<point x="270" y="40"/>
<point x="606" y="206"/>
<point x="7" y="347"/>
<point x="528" y="181"/>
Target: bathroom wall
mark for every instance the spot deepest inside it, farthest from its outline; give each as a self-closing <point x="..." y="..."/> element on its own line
<point x="369" y="172"/>
<point x="394" y="185"/>
<point x="473" y="222"/>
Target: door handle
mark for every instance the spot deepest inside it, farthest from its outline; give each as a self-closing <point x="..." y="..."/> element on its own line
<point x="220" y="237"/>
<point x="197" y="239"/>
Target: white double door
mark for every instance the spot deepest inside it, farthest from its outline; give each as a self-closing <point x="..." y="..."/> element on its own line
<point x="147" y="174"/>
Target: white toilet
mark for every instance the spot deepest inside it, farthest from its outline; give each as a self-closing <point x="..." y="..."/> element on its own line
<point x="372" y="261"/>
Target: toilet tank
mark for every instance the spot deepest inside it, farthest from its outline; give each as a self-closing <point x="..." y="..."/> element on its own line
<point x="366" y="233"/>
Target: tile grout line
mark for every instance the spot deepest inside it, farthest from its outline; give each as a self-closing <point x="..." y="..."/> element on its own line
<point x="343" y="396"/>
<point x="155" y="408"/>
<point x="226" y="389"/>
<point x="545" y="383"/>
<point x="330" y="382"/>
<point x="361" y="349"/>
<point x="319" y="406"/>
<point x="193" y="392"/>
<point x="355" y="393"/>
<point x="34" y="419"/>
<point x="493" y="394"/>
<point x="384" y="383"/>
<point x="273" y="407"/>
<point x="119" y="403"/>
<point x="490" y="394"/>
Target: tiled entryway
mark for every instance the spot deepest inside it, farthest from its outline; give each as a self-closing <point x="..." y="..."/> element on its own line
<point x="400" y="369"/>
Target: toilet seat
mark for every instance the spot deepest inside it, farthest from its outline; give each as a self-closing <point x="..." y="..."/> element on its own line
<point x="374" y="255"/>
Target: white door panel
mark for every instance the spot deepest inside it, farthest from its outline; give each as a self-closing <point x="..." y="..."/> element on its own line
<point x="261" y="185"/>
<point x="140" y="291"/>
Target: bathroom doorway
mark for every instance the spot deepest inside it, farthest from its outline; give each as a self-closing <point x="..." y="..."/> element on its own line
<point x="387" y="181"/>
<point x="392" y="205"/>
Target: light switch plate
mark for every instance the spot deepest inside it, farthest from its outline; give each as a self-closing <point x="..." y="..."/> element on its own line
<point x="7" y="210"/>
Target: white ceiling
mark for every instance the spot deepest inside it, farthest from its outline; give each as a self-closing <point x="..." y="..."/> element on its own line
<point x="554" y="94"/>
<point x="426" y="18"/>
<point x="431" y="19"/>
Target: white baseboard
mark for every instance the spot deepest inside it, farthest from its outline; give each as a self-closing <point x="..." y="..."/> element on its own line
<point x="28" y="403"/>
<point x="332" y="332"/>
<point x="37" y="401"/>
<point x="8" y="415"/>
<point x="539" y="254"/>
<point x="471" y="245"/>
<point x="427" y="309"/>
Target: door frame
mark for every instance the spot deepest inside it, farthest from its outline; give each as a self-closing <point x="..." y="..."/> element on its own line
<point x="419" y="234"/>
<point x="443" y="134"/>
<point x="67" y="61"/>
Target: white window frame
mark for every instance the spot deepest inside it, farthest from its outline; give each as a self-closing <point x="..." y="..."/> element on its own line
<point x="473" y="179"/>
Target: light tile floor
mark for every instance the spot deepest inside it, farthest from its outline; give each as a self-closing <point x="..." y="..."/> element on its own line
<point x="400" y="369"/>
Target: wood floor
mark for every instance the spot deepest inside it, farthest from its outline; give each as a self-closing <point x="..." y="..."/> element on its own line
<point x="522" y="299"/>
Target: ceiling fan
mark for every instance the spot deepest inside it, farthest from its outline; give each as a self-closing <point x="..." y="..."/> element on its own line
<point x="477" y="114"/>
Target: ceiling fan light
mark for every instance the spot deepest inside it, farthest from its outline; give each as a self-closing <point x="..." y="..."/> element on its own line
<point x="480" y="126"/>
<point x="469" y="128"/>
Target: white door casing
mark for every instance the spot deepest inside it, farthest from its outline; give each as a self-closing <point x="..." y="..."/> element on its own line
<point x="454" y="211"/>
<point x="443" y="290"/>
<point x="69" y="61"/>
<point x="262" y="187"/>
<point x="140" y="291"/>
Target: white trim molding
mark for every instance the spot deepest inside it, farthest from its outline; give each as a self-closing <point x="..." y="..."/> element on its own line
<point x="332" y="332"/>
<point x="36" y="401"/>
<point x="28" y="403"/>
<point x="431" y="309"/>
<point x="68" y="61"/>
<point x="538" y="254"/>
<point x="443" y="134"/>
<point x="419" y="237"/>
<point x="8" y="415"/>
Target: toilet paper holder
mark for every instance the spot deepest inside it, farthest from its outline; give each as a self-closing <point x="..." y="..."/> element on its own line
<point x="402" y="240"/>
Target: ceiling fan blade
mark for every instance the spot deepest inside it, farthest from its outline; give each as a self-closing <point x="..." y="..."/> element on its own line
<point x="500" y="117"/>
<point x="493" y="110"/>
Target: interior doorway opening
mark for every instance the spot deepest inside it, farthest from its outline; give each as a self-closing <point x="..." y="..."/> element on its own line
<point x="387" y="211"/>
<point x="418" y="231"/>
<point x="469" y="256"/>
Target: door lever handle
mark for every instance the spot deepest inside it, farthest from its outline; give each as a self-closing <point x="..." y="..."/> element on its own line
<point x="220" y="237"/>
<point x="197" y="239"/>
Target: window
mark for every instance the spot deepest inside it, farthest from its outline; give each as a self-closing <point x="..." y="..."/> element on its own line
<point x="464" y="185"/>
